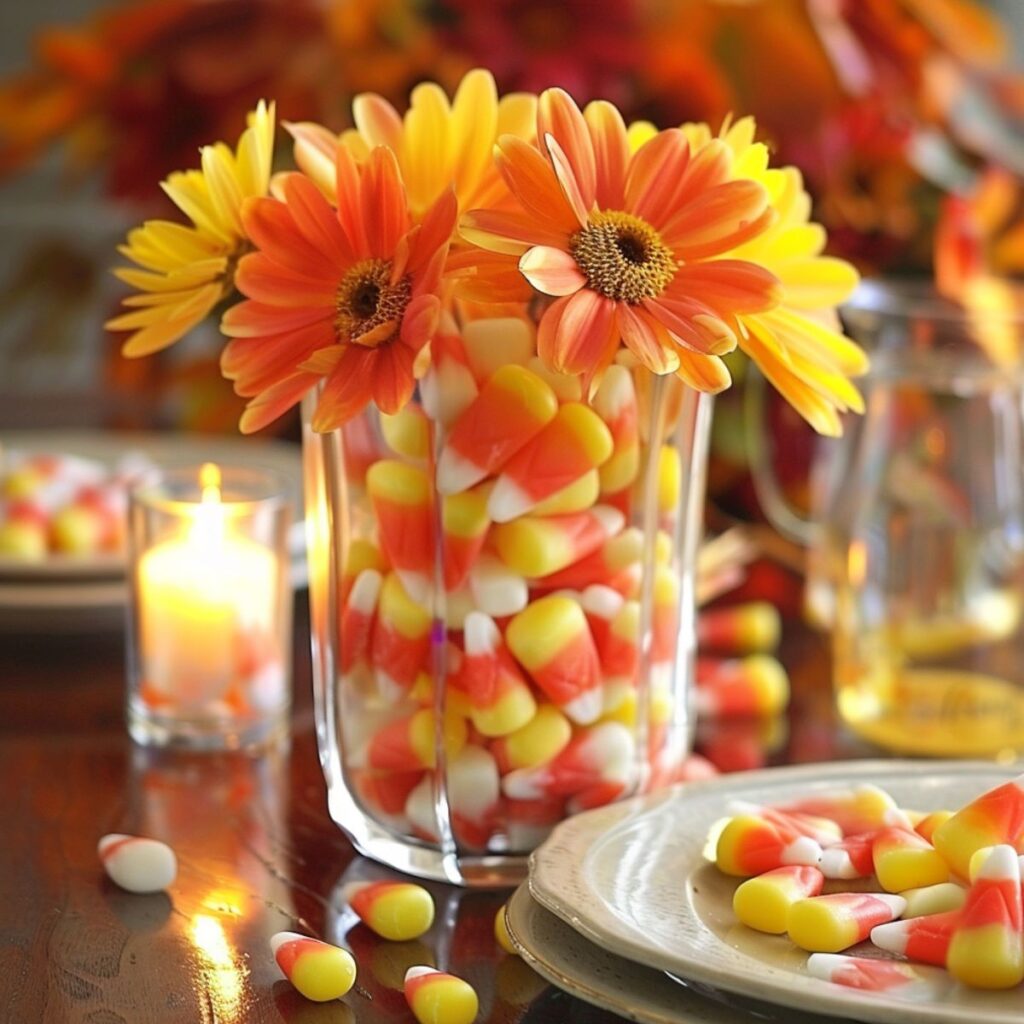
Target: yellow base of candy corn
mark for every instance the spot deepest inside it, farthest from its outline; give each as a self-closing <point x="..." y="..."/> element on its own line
<point x="987" y="957"/>
<point x="762" y="906"/>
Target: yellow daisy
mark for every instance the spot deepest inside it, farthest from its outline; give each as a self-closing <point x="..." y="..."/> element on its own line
<point x="183" y="271"/>
<point x="798" y="345"/>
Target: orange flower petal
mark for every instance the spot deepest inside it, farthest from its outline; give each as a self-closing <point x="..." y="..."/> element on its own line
<point x="271" y="227"/>
<point x="577" y="334"/>
<point x="656" y="175"/>
<point x="347" y="390"/>
<point x="509" y="233"/>
<point x="377" y="121"/>
<point x="274" y="402"/>
<point x="259" y="277"/>
<point x="551" y="271"/>
<point x="349" y="187"/>
<point x="533" y="182"/>
<point x="250" y="319"/>
<point x="435" y="230"/>
<point x="392" y="377"/>
<point x="728" y="286"/>
<point x="693" y="324"/>
<point x="567" y="180"/>
<point x="717" y="220"/>
<point x="255" y="364"/>
<point x="558" y="116"/>
<point x="651" y="346"/>
<point x="704" y="373"/>
<point x="316" y="220"/>
<point x="419" y="324"/>
<point x="385" y="214"/>
<point x="611" y="153"/>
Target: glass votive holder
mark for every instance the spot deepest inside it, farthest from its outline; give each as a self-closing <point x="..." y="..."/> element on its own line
<point x="209" y="638"/>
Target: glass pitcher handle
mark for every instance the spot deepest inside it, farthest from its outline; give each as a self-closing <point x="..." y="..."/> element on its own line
<point x="781" y="514"/>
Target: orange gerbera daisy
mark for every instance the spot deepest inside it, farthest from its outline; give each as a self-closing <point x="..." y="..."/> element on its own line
<point x="348" y="295"/>
<point x="628" y="244"/>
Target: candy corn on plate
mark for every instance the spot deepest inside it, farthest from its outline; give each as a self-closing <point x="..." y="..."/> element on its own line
<point x="877" y="891"/>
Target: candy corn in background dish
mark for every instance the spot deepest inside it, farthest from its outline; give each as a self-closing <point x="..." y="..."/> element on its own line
<point x="842" y="868"/>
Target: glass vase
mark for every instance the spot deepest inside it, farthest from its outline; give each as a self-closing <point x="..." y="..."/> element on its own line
<point x="502" y="596"/>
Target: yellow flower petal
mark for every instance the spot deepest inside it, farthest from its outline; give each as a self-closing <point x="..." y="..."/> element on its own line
<point x="822" y="281"/>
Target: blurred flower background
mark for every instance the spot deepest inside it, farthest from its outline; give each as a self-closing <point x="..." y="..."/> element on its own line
<point x="905" y="117"/>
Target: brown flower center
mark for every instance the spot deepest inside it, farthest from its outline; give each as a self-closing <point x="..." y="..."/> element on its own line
<point x="623" y="257"/>
<point x="367" y="298"/>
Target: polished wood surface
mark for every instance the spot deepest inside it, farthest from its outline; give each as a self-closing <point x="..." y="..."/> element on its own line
<point x="257" y="854"/>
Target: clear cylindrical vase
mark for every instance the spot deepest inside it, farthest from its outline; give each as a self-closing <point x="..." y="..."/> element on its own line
<point x="503" y="609"/>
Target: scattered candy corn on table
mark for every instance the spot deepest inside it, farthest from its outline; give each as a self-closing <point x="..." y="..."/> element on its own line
<point x="256" y="855"/>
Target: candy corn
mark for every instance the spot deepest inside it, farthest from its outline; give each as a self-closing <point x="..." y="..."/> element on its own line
<point x="573" y="443"/>
<point x="464" y="525"/>
<point x="535" y="546"/>
<point x="513" y="408"/>
<point x="927" y="900"/>
<point x="829" y="924"/>
<point x="318" y="971"/>
<point x="754" y="685"/>
<point x="501" y="934"/>
<point x="924" y="939"/>
<point x="852" y="857"/>
<point x="398" y="911"/>
<point x="615" y="402"/>
<point x="602" y="753"/>
<point x="407" y="432"/>
<point x="400" y="494"/>
<point x="448" y="388"/>
<point x="996" y="817"/>
<point x="749" y="845"/>
<point x="986" y="949"/>
<point x="496" y="589"/>
<point x="137" y="864"/>
<point x="492" y="342"/>
<point x="903" y="860"/>
<point x="821" y="830"/>
<point x="907" y="983"/>
<point x="474" y="790"/>
<point x="542" y="738"/>
<point x="565" y="385"/>
<point x="665" y="618"/>
<point x="861" y="809"/>
<point x="764" y="902"/>
<point x="437" y="998"/>
<point x="401" y="638"/>
<point x="500" y="699"/>
<point x="551" y="640"/>
<point x="409" y="743"/>
<point x="579" y="495"/>
<point x="610" y="564"/>
<point x="357" y="618"/>
<point x="926" y="827"/>
<point x="751" y="628"/>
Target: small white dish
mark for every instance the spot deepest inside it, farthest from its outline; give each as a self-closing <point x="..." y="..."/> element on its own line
<point x="633" y="878"/>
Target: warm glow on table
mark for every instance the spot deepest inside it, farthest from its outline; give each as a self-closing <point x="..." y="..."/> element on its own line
<point x="198" y="594"/>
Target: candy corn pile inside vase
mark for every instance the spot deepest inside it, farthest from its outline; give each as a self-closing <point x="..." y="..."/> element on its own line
<point x="515" y="620"/>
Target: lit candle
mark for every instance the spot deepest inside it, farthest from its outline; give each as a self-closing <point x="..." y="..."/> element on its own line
<point x="203" y="596"/>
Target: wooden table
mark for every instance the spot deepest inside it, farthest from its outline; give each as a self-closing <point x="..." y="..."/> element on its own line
<point x="257" y="852"/>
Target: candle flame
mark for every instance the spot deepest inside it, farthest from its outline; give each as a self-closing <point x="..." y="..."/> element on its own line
<point x="209" y="482"/>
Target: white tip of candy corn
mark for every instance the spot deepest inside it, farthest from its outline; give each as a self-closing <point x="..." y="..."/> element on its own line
<point x="825" y="965"/>
<point x="417" y="585"/>
<point x="507" y="501"/>
<point x="137" y="864"/>
<point x="601" y="601"/>
<point x="837" y="864"/>
<point x="390" y="689"/>
<point x="498" y="591"/>
<point x="1000" y="864"/>
<point x="365" y="591"/>
<point x="482" y="635"/>
<point x="418" y="972"/>
<point x="456" y="474"/>
<point x="892" y="937"/>
<point x="896" y="816"/>
<point x="610" y="518"/>
<point x="587" y="707"/>
<point x="281" y="938"/>
<point x="803" y="851"/>
<point x="896" y="904"/>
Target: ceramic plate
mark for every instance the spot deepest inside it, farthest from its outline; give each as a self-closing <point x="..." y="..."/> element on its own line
<point x="633" y="878"/>
<point x="566" y="959"/>
<point x="164" y="450"/>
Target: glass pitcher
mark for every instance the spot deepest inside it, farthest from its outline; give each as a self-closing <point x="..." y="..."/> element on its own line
<point x="916" y="540"/>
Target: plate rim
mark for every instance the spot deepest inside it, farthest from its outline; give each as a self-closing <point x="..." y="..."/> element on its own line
<point x="823" y="998"/>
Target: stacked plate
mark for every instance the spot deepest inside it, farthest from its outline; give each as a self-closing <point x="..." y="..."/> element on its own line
<point x="624" y="909"/>
<point x="64" y="594"/>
